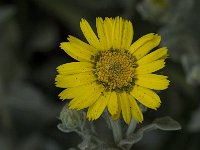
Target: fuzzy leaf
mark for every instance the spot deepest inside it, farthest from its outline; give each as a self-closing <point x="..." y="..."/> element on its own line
<point x="137" y="136"/>
<point x="63" y="128"/>
<point x="164" y="123"/>
<point x="167" y="123"/>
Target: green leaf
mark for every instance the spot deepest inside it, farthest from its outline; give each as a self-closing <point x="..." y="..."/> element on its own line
<point x="137" y="136"/>
<point x="164" y="123"/>
<point x="167" y="123"/>
<point x="64" y="129"/>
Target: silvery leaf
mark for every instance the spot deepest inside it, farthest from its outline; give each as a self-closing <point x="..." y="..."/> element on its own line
<point x="86" y="143"/>
<point x="64" y="129"/>
<point x="137" y="136"/>
<point x="164" y="123"/>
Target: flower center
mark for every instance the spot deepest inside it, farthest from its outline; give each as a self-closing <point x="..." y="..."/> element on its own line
<point x="115" y="69"/>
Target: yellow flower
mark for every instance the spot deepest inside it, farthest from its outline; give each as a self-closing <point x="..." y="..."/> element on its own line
<point x="112" y="72"/>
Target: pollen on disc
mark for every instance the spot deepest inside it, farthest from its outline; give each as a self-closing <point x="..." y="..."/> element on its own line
<point x="115" y="69"/>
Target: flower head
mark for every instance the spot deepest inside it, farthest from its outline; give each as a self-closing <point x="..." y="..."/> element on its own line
<point x="112" y="72"/>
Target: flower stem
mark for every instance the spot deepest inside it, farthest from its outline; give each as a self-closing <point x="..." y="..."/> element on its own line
<point x="131" y="127"/>
<point x="116" y="129"/>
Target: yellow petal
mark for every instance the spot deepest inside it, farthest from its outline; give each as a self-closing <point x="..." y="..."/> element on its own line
<point x="101" y="33"/>
<point x="95" y="110"/>
<point x="147" y="47"/>
<point x="65" y="81"/>
<point x="122" y="33"/>
<point x="127" y="36"/>
<point x="118" y="113"/>
<point x="89" y="96"/>
<point x="65" y="94"/>
<point x="70" y="93"/>
<point x="135" y="109"/>
<point x="152" y="81"/>
<point x="89" y="34"/>
<point x="113" y="103"/>
<point x="117" y="37"/>
<point x="82" y="45"/>
<point x="74" y="67"/>
<point x="117" y="33"/>
<point x="109" y="32"/>
<point x="141" y="41"/>
<point x="151" y="67"/>
<point x="125" y="105"/>
<point x="160" y="53"/>
<point x="76" y="52"/>
<point x="146" y="96"/>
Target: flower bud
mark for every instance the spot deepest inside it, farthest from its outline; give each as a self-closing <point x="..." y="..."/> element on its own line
<point x="70" y="118"/>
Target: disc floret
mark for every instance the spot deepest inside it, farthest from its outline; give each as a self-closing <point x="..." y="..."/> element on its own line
<point x="115" y="69"/>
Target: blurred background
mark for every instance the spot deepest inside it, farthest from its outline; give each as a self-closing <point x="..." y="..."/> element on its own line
<point x="30" y="33"/>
